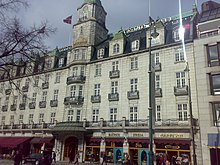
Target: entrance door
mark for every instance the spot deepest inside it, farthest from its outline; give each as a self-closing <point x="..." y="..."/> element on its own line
<point x="143" y="157"/>
<point x="118" y="155"/>
<point x="70" y="148"/>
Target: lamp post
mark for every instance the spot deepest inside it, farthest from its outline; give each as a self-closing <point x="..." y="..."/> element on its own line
<point x="191" y="116"/>
<point x="151" y="91"/>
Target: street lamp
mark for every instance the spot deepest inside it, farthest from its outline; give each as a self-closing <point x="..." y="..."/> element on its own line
<point x="191" y="116"/>
<point x="151" y="91"/>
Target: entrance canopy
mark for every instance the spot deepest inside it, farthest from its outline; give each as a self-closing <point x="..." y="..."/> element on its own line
<point x="214" y="140"/>
<point x="12" y="142"/>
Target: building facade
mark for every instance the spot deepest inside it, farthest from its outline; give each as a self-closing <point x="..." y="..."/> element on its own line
<point x="93" y="96"/>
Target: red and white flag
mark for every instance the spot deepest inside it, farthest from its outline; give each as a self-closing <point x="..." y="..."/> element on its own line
<point x="68" y="20"/>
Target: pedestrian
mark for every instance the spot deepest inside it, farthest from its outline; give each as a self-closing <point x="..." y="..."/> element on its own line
<point x="76" y="160"/>
<point x="17" y="158"/>
<point x="70" y="155"/>
<point x="54" y="157"/>
<point x="104" y="159"/>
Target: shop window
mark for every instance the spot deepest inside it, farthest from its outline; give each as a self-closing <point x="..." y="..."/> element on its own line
<point x="213" y="52"/>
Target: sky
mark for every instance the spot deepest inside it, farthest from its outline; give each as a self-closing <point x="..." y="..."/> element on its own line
<point x="120" y="14"/>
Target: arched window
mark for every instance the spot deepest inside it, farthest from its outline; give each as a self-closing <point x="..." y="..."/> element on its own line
<point x="116" y="48"/>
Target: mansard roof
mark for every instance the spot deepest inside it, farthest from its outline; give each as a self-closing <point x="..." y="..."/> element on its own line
<point x="98" y="2"/>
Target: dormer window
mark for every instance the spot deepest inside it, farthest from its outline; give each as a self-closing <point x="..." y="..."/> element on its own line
<point x="61" y="62"/>
<point x="100" y="53"/>
<point x="116" y="48"/>
<point x="135" y="45"/>
<point x="176" y="36"/>
<point x="156" y="40"/>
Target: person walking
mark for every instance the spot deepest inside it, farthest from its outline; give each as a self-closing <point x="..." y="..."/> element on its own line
<point x="104" y="159"/>
<point x="54" y="157"/>
<point x="76" y="161"/>
<point x="17" y="158"/>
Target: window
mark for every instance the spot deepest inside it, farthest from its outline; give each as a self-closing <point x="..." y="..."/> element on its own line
<point x="70" y="115"/>
<point x="157" y="58"/>
<point x="57" y="79"/>
<point x="115" y="65"/>
<point x="81" y="90"/>
<point x="95" y="115"/>
<point x="133" y="83"/>
<point x="61" y="62"/>
<point x="24" y="99"/>
<point x="46" y="78"/>
<point x="52" y="117"/>
<point x="41" y="118"/>
<point x="179" y="55"/>
<point x="98" y="70"/>
<point x="215" y="84"/>
<point x="12" y="119"/>
<point x="3" y="120"/>
<point x="180" y="79"/>
<point x="27" y="82"/>
<point x="134" y="63"/>
<point x="73" y="91"/>
<point x="135" y="45"/>
<point x="158" y="113"/>
<point x="30" y="119"/>
<point x="48" y="63"/>
<point x="100" y="53"/>
<point x="182" y="112"/>
<point x="115" y="48"/>
<point x="97" y="89"/>
<point x="21" y="118"/>
<point x="2" y="87"/>
<point x="7" y="100"/>
<point x="55" y="94"/>
<point x="82" y="70"/>
<point x="36" y="80"/>
<point x="133" y="114"/>
<point x="83" y="54"/>
<point x="114" y="87"/>
<point x="157" y="81"/>
<point x="44" y="96"/>
<point x="213" y="52"/>
<point x="176" y="36"/>
<point x="18" y="84"/>
<point x="75" y="70"/>
<point x="113" y="114"/>
<point x="34" y="97"/>
<point x="76" y="54"/>
<point x="78" y="114"/>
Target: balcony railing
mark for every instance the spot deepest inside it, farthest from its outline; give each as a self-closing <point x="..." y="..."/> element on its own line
<point x="25" y="88"/>
<point x="75" y="79"/>
<point x="96" y="99"/>
<point x="42" y="104"/>
<point x="113" y="96"/>
<point x="133" y="95"/>
<point x="158" y="67"/>
<point x="22" y="106"/>
<point x="114" y="74"/>
<point x="8" y="91"/>
<point x="4" y="108"/>
<point x="180" y="91"/>
<point x="53" y="103"/>
<point x="13" y="107"/>
<point x="32" y="105"/>
<point x="158" y="92"/>
<point x="45" y="85"/>
<point x="78" y="100"/>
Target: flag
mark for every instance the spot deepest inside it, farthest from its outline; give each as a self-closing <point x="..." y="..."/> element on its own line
<point x="68" y="20"/>
<point x="42" y="30"/>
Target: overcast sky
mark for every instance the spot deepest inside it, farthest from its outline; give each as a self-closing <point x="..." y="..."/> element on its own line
<point x="120" y="13"/>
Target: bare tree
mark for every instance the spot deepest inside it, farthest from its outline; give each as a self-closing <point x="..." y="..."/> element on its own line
<point x="19" y="44"/>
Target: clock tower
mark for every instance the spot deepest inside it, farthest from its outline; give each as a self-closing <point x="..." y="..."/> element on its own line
<point x="90" y="28"/>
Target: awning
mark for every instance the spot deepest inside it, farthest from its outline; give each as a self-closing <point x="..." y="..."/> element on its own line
<point x="12" y="142"/>
<point x="114" y="140"/>
<point x="138" y="140"/>
<point x="93" y="139"/>
<point x="214" y="140"/>
<point x="41" y="140"/>
<point x="173" y="141"/>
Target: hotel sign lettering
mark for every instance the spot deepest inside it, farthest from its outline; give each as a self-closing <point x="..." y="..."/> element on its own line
<point x="171" y="135"/>
<point x="114" y="135"/>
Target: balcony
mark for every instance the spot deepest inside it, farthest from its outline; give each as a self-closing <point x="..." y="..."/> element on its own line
<point x="42" y="104"/>
<point x="8" y="91"/>
<point x="45" y="85"/>
<point x="25" y="88"/>
<point x="114" y="74"/>
<point x="53" y="103"/>
<point x="22" y="106"/>
<point x="158" y="67"/>
<point x="78" y="100"/>
<point x="4" y="108"/>
<point x="75" y="79"/>
<point x="113" y="96"/>
<point x="181" y="91"/>
<point x="132" y="95"/>
<point x="13" y="107"/>
<point x="96" y="99"/>
<point x="32" y="105"/>
<point x="158" y="92"/>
